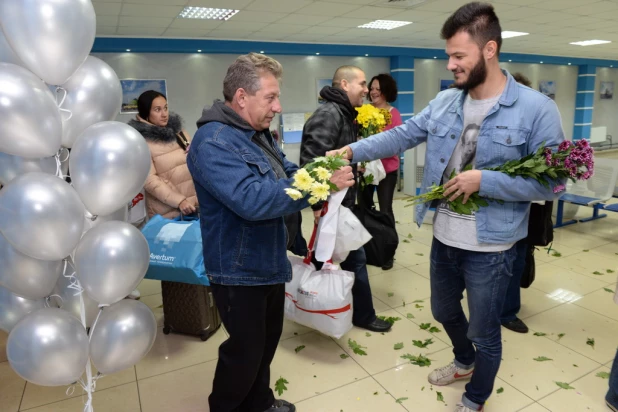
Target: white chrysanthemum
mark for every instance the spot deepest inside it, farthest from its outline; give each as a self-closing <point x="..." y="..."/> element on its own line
<point x="302" y="180"/>
<point x="293" y="193"/>
<point x="323" y="174"/>
<point x="320" y="190"/>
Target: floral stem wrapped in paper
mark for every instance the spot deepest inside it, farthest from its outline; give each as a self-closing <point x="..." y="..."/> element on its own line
<point x="314" y="179"/>
<point x="572" y="161"/>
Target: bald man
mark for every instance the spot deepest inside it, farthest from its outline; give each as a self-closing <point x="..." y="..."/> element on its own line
<point x="332" y="126"/>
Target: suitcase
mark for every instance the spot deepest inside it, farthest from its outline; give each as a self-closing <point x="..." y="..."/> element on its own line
<point x="189" y="309"/>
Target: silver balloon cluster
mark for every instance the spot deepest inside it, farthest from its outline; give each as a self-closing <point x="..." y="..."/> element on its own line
<point x="69" y="258"/>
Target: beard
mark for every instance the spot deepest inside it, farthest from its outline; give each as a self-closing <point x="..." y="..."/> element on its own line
<point x="477" y="76"/>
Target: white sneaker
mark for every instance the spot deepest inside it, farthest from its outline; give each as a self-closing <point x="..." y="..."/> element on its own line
<point x="463" y="408"/>
<point x="449" y="374"/>
<point x="135" y="295"/>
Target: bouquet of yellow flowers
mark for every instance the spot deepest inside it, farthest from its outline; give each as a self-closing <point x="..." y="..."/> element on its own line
<point x="314" y="179"/>
<point x="372" y="120"/>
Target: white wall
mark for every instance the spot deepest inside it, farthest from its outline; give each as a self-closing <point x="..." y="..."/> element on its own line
<point x="428" y="73"/>
<point x="195" y="80"/>
<point x="606" y="111"/>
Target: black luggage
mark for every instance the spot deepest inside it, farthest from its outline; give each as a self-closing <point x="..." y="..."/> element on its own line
<point x="381" y="226"/>
<point x="189" y="309"/>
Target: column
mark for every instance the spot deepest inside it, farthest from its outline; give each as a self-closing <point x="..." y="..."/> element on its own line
<point x="584" y="102"/>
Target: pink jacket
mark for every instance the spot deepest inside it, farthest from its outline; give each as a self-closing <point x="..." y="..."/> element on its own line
<point x="392" y="163"/>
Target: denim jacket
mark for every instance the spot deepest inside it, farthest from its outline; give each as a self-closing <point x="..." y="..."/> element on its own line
<point x="242" y="204"/>
<point x="521" y="122"/>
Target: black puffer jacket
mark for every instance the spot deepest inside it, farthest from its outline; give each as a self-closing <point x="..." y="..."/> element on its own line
<point x="332" y="126"/>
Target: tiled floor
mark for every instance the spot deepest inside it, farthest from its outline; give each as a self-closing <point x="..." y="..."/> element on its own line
<point x="566" y="298"/>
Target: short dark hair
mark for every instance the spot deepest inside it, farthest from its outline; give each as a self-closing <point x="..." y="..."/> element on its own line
<point x="388" y="86"/>
<point x="520" y="78"/>
<point x="479" y="20"/>
<point x="144" y="102"/>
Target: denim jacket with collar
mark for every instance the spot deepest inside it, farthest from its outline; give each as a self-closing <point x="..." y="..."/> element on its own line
<point x="242" y="204"/>
<point x="521" y="121"/>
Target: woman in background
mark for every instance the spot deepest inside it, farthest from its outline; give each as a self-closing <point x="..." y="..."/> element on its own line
<point x="169" y="186"/>
<point x="382" y="92"/>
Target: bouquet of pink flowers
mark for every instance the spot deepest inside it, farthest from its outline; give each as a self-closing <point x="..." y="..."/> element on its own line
<point x="572" y="161"/>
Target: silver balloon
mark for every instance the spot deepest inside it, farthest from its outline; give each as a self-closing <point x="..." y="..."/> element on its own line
<point x="51" y="37"/>
<point x="94" y="95"/>
<point x="68" y="298"/>
<point x="111" y="260"/>
<point x="30" y="123"/>
<point x="121" y="215"/>
<point x="26" y="276"/>
<point x="48" y="347"/>
<point x="13" y="166"/>
<point x="7" y="55"/>
<point x="123" y="335"/>
<point x="13" y="308"/>
<point x="41" y="216"/>
<point x="109" y="164"/>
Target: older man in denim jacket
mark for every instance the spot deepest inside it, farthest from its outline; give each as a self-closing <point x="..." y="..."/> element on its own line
<point x="485" y="121"/>
<point x="240" y="176"/>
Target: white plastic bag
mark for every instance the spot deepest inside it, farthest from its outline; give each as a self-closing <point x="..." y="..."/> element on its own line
<point x="327" y="228"/>
<point x="320" y="299"/>
<point x="351" y="234"/>
<point x="376" y="169"/>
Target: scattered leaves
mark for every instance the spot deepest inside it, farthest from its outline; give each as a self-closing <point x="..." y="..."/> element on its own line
<point x="410" y="316"/>
<point x="608" y="290"/>
<point x="596" y="272"/>
<point x="439" y="397"/>
<point x="299" y="348"/>
<point x="390" y="319"/>
<point x="404" y="303"/>
<point x="602" y="375"/>
<point x="422" y="389"/>
<point x="344" y="356"/>
<point x="586" y="250"/>
<point x="556" y="254"/>
<point x="367" y="334"/>
<point x="295" y="333"/>
<point x="434" y="329"/>
<point x="542" y="359"/>
<point x="419" y="254"/>
<point x="405" y="241"/>
<point x="419" y="360"/>
<point x="540" y="334"/>
<point x="590" y="341"/>
<point x="575" y="365"/>
<point x="280" y="385"/>
<point x="375" y="393"/>
<point x="417" y="306"/>
<point x="400" y="400"/>
<point x="409" y="235"/>
<point x="500" y="390"/>
<point x="356" y="348"/>
<point x="420" y="344"/>
<point x="390" y="294"/>
<point x="419" y="301"/>
<point x="609" y="271"/>
<point x="561" y="335"/>
<point x="564" y="385"/>
<point x="398" y="346"/>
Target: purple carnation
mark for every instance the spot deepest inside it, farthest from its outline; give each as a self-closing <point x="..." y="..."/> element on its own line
<point x="559" y="188"/>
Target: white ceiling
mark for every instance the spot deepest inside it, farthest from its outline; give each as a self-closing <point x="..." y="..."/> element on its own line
<point x="552" y="24"/>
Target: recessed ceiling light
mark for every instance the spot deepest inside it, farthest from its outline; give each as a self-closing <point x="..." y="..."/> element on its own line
<point x="590" y="42"/>
<point x="366" y="55"/>
<point x="384" y="24"/>
<point x="569" y="64"/>
<point x="611" y="65"/>
<point x="510" y="60"/>
<point x="317" y="54"/>
<point x="206" y="13"/>
<point x="541" y="62"/>
<point x="435" y="57"/>
<point x="128" y="49"/>
<point x="262" y="51"/>
<point x="199" y="51"/>
<point x="508" y="34"/>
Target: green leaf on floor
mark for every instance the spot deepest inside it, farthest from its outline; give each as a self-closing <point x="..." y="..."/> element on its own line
<point x="356" y="348"/>
<point x="537" y="387"/>
<point x="590" y="342"/>
<point x="425" y="326"/>
<point x="439" y="397"/>
<point x="404" y="303"/>
<point x="375" y="393"/>
<point x="405" y="241"/>
<point x="609" y="271"/>
<point x="367" y="334"/>
<point x="575" y="365"/>
<point x="419" y="360"/>
<point x="419" y="254"/>
<point x="596" y="272"/>
<point x="295" y="333"/>
<point x="434" y="329"/>
<point x="398" y="346"/>
<point x="159" y="307"/>
<point x="390" y="294"/>
<point x="417" y="306"/>
<point x="422" y="389"/>
<point x="280" y="385"/>
<point x="421" y="344"/>
<point x="500" y="390"/>
<point x="608" y="290"/>
<point x="542" y="359"/>
<point x="400" y="400"/>
<point x="564" y="385"/>
<point x="561" y="335"/>
<point x="344" y="356"/>
<point x="419" y="301"/>
<point x="540" y="334"/>
<point x="410" y="316"/>
<point x="586" y="250"/>
<point x="409" y="235"/>
<point x="390" y="319"/>
<point x="397" y="221"/>
<point x="556" y="254"/>
<point x="602" y="375"/>
<point x="299" y="348"/>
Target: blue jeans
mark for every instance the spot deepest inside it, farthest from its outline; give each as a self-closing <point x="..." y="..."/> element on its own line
<point x="612" y="393"/>
<point x="486" y="277"/>
<point x="363" y="311"/>
<point x="512" y="302"/>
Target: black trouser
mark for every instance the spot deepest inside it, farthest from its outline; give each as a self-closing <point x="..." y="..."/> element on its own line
<point x="253" y="317"/>
<point x="386" y="191"/>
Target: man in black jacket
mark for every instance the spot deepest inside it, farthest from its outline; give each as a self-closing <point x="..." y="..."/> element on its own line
<point x="331" y="126"/>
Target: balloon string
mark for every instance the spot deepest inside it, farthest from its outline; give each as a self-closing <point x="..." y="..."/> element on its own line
<point x="89" y="388"/>
<point x="60" y="161"/>
<point x="59" y="104"/>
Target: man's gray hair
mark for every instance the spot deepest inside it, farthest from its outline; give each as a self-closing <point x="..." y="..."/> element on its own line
<point x="245" y="73"/>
